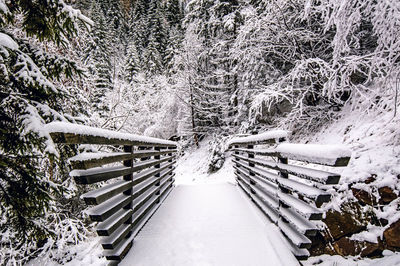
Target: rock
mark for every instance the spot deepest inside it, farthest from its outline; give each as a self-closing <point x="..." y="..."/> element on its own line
<point x="387" y="195"/>
<point x="370" y="179"/>
<point x="392" y="235"/>
<point x="321" y="245"/>
<point x="383" y="221"/>
<point x="345" y="223"/>
<point x="369" y="249"/>
<point x="364" y="197"/>
<point x="347" y="247"/>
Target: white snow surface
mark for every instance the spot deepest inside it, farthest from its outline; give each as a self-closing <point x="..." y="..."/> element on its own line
<point x="3" y="7"/>
<point x="87" y="253"/>
<point x="7" y="41"/>
<point x="324" y="154"/>
<point x="390" y="259"/>
<point x="65" y="127"/>
<point x="273" y="134"/>
<point x="192" y="168"/>
<point x="208" y="224"/>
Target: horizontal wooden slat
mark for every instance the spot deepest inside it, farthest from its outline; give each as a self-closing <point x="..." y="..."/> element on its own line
<point x="120" y="251"/>
<point x="299" y="253"/>
<point x="141" y="200"/>
<point x="79" y="134"/>
<point x="259" y="171"/>
<point x="264" y="184"/>
<point x="70" y="138"/>
<point x="91" y="160"/>
<point x="146" y="164"/>
<point x="301" y="224"/>
<point x="95" y="175"/>
<point x="332" y="155"/>
<point x="265" y="152"/>
<point x="107" y="227"/>
<point x="147" y="213"/>
<point x="308" y="211"/>
<point x="142" y="187"/>
<point x="317" y="195"/>
<point x="148" y="153"/>
<point x="294" y="236"/>
<point x="267" y="196"/>
<point x="142" y="176"/>
<point x="260" y="202"/>
<point x="106" y="192"/>
<point x="140" y="212"/>
<point x="302" y="172"/>
<point x="113" y="240"/>
<point x="272" y="136"/>
<point x="275" y="152"/>
<point x="144" y="198"/>
<point x="139" y="219"/>
<point x="106" y="209"/>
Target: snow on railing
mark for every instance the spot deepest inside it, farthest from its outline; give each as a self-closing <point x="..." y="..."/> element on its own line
<point x="267" y="137"/>
<point x="282" y="191"/>
<point x="140" y="178"/>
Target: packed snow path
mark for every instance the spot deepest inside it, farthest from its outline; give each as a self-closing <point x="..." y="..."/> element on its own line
<point x="208" y="224"/>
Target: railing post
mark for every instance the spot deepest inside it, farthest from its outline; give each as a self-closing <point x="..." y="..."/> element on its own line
<point x="170" y="154"/>
<point x="128" y="163"/>
<point x="250" y="155"/>
<point x="157" y="157"/>
<point x="237" y="153"/>
<point x="281" y="189"/>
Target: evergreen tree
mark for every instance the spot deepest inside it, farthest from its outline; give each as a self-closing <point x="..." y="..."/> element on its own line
<point x="138" y="25"/>
<point x="174" y="17"/>
<point x="132" y="63"/>
<point x="29" y="99"/>
<point x="215" y="23"/>
<point x="98" y="60"/>
<point x="157" y="41"/>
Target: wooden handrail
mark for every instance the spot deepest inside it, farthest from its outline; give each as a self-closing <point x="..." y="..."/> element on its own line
<point x="138" y="180"/>
<point x="274" y="136"/>
<point x="68" y="133"/>
<point x="283" y="191"/>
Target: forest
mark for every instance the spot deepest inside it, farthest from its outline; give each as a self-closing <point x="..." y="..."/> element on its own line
<point x="184" y="70"/>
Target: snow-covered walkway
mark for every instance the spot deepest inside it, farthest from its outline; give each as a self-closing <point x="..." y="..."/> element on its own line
<point x="208" y="220"/>
<point x="208" y="224"/>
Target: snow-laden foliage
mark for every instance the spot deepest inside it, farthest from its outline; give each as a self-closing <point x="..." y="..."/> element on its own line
<point x="31" y="174"/>
<point x="216" y="153"/>
<point x="316" y="56"/>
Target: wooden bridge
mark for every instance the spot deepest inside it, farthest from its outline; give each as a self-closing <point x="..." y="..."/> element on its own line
<point x="205" y="224"/>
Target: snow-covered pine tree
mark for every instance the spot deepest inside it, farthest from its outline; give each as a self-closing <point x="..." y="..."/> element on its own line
<point x="132" y="64"/>
<point x="154" y="54"/>
<point x="213" y="81"/>
<point x="98" y="61"/>
<point x="29" y="99"/>
<point x="139" y="22"/>
<point x="174" y="16"/>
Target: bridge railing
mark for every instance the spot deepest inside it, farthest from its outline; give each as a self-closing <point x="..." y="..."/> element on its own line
<point x="142" y="172"/>
<point x="279" y="180"/>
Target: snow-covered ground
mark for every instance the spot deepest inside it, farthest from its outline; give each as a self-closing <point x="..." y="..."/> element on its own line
<point x="390" y="259"/>
<point x="193" y="166"/>
<point x="208" y="224"/>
